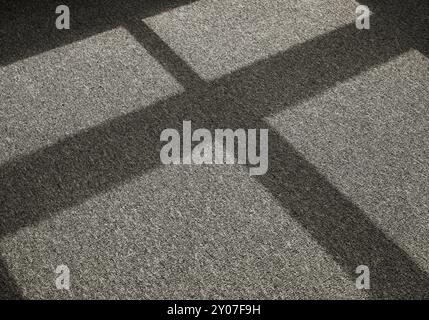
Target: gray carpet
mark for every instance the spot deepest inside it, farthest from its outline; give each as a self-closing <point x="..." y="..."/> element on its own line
<point x="81" y="183"/>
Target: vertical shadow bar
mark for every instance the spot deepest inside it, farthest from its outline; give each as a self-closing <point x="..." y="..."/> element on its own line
<point x="164" y="55"/>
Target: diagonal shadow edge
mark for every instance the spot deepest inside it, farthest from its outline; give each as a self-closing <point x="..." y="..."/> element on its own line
<point x="340" y="226"/>
<point x="80" y="156"/>
<point x="65" y="174"/>
<point x="9" y="290"/>
<point x="408" y="20"/>
<point x="164" y="55"/>
<point x="28" y="28"/>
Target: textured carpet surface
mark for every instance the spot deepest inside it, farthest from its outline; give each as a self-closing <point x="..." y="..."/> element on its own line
<point x="81" y="183"/>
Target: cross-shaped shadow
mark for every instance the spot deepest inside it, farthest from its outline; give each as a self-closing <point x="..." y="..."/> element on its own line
<point x="37" y="186"/>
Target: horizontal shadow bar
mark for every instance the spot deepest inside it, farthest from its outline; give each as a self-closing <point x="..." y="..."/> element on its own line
<point x="37" y="186"/>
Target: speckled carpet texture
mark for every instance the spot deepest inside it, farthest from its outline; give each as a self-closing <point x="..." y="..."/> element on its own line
<point x="89" y="211"/>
